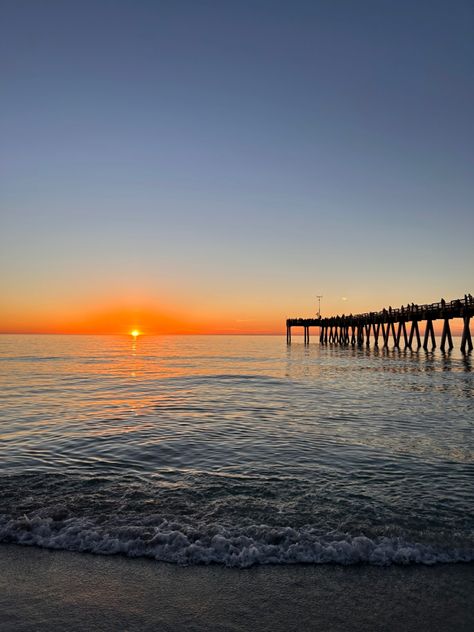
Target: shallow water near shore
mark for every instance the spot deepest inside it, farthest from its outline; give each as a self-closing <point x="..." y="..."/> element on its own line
<point x="236" y="450"/>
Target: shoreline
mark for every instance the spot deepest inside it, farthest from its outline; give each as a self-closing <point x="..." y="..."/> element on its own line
<point x="44" y="590"/>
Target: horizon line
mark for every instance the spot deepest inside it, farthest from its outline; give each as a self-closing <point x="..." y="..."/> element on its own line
<point x="142" y="334"/>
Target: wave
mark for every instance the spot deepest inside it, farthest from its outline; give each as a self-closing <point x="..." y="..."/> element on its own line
<point x="216" y="544"/>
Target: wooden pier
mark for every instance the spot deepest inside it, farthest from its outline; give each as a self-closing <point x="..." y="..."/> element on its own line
<point x="401" y="325"/>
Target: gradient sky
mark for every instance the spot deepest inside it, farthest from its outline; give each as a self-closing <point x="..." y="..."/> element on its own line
<point x="212" y="166"/>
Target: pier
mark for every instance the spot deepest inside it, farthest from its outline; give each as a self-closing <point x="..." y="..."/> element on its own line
<point x="396" y="327"/>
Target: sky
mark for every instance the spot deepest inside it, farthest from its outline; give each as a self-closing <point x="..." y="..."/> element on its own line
<point x="212" y="166"/>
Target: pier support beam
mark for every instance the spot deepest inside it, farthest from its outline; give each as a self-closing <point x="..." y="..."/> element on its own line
<point x="367" y="334"/>
<point x="346" y="334"/>
<point x="394" y="335"/>
<point x="466" y="335"/>
<point x="405" y="337"/>
<point x="429" y="333"/>
<point x="446" y="335"/>
<point x="414" y="330"/>
<point x="288" y="334"/>
<point x="397" y="335"/>
<point x="376" y="335"/>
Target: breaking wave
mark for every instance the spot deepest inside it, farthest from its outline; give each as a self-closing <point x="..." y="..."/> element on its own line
<point x="215" y="544"/>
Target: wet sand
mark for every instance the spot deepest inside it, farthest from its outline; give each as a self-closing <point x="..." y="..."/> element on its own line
<point x="53" y="590"/>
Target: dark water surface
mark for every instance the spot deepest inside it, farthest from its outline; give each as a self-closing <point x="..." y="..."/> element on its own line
<point x="236" y="450"/>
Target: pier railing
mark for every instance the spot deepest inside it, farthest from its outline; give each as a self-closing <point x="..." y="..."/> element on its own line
<point x="357" y="328"/>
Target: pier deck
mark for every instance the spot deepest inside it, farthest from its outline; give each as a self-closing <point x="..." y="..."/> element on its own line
<point x="394" y="323"/>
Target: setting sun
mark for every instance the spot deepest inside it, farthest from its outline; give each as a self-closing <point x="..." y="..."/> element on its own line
<point x="135" y="333"/>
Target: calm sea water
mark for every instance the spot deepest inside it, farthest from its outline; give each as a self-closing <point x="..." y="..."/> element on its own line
<point x="236" y="450"/>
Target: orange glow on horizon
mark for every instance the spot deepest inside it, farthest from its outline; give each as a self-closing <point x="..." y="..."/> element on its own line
<point x="134" y="313"/>
<point x="114" y="316"/>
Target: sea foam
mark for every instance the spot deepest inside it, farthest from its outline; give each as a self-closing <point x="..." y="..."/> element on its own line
<point x="216" y="544"/>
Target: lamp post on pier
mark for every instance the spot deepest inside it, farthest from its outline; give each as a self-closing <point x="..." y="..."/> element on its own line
<point x="319" y="297"/>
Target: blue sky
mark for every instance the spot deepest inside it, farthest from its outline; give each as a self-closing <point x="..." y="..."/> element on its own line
<point x="235" y="157"/>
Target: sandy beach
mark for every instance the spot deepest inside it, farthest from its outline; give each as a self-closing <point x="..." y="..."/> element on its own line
<point x="53" y="590"/>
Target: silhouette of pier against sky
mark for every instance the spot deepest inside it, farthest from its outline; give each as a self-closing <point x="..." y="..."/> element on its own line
<point x="393" y="323"/>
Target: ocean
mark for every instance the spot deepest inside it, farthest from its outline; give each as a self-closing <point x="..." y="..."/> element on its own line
<point x="237" y="450"/>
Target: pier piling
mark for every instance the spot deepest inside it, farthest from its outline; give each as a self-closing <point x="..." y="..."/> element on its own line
<point x="466" y="335"/>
